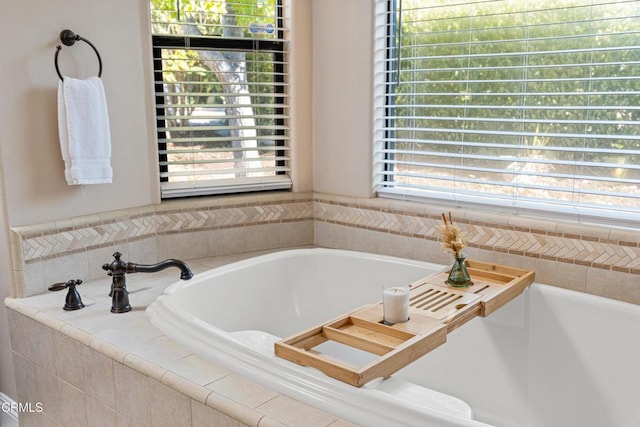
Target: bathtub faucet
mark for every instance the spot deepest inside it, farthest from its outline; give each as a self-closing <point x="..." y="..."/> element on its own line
<point x="118" y="268"/>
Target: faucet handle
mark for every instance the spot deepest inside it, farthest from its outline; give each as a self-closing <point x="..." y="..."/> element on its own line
<point x="64" y="285"/>
<point x="58" y="286"/>
<point x="115" y="266"/>
<point x="72" y="300"/>
<point x="106" y="268"/>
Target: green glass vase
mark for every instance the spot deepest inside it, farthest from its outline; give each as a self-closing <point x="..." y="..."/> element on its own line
<point x="459" y="276"/>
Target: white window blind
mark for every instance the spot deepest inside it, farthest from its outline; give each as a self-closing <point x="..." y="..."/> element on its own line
<point x="523" y="104"/>
<point x="221" y="95"/>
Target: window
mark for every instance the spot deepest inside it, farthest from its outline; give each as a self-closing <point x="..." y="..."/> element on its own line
<point x="221" y="95"/>
<point x="524" y="104"/>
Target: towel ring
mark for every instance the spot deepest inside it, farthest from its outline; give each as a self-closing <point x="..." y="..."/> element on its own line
<point x="69" y="38"/>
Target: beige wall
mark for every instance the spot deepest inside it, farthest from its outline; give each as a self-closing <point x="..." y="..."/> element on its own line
<point x="35" y="188"/>
<point x="301" y="82"/>
<point x="342" y="97"/>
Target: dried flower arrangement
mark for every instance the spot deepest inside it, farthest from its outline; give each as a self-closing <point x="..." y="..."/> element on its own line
<point x="453" y="239"/>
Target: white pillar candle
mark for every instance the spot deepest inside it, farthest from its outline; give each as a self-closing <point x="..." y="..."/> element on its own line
<point x="395" y="305"/>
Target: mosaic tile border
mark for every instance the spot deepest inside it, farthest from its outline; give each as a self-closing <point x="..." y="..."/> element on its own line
<point x="601" y="252"/>
<point x="49" y="241"/>
<point x="594" y="247"/>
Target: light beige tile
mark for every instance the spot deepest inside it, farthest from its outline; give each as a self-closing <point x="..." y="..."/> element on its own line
<point x="182" y="245"/>
<point x="398" y="246"/>
<point x="144" y="251"/>
<point x="115" y="353"/>
<point x="197" y="369"/>
<point x="186" y="387"/>
<point x="94" y="317"/>
<point x="331" y="235"/>
<point x="47" y="320"/>
<point x="98" y="414"/>
<point x="160" y="350"/>
<point x="336" y="198"/>
<point x="168" y="407"/>
<point x="127" y="335"/>
<point x="144" y="366"/>
<point x="24" y="377"/>
<point x="486" y="217"/>
<point x="581" y="229"/>
<point x="17" y="256"/>
<point x="18" y="305"/>
<point x="202" y="415"/>
<point x="370" y="241"/>
<point x="35" y="419"/>
<point x="563" y="275"/>
<point x="69" y="355"/>
<point x="614" y="285"/>
<point x="528" y="222"/>
<point x="262" y="237"/>
<point x="269" y="422"/>
<point x="77" y="334"/>
<point x="131" y="422"/>
<point x="296" y="234"/>
<point x="46" y="391"/>
<point x="63" y="268"/>
<point x="143" y="294"/>
<point x="429" y="250"/>
<point x="97" y="290"/>
<point x="401" y="206"/>
<point x="234" y="409"/>
<point x="73" y="408"/>
<point x="624" y="234"/>
<point x="49" y="302"/>
<point x="32" y="280"/>
<point x="342" y="423"/>
<point x="19" y="288"/>
<point x="99" y="382"/>
<point x="76" y="222"/>
<point x="242" y="390"/>
<point x="18" y="332"/>
<point x="133" y="395"/>
<point x="40" y="339"/>
<point x="294" y="413"/>
<point x="226" y="241"/>
<point x="115" y="215"/>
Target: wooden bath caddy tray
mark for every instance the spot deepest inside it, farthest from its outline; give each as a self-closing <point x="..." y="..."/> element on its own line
<point x="435" y="309"/>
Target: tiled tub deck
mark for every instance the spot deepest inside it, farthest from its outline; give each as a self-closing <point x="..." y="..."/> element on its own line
<point x="91" y="367"/>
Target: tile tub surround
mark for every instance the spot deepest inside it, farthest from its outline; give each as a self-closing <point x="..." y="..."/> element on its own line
<point x="191" y="228"/>
<point x="91" y="367"/>
<point x="600" y="260"/>
<point x="596" y="259"/>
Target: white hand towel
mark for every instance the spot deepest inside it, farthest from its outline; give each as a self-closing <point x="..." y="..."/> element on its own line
<point x="83" y="126"/>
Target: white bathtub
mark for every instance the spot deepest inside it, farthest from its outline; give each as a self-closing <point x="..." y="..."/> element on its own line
<point x="549" y="358"/>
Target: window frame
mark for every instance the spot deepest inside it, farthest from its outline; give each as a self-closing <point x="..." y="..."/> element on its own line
<point x="384" y="142"/>
<point x="249" y="45"/>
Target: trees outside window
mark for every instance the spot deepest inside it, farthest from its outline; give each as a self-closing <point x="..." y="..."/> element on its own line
<point x="220" y="73"/>
<point x="514" y="103"/>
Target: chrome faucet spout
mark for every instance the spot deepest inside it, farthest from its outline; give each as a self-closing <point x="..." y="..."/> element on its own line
<point x="118" y="269"/>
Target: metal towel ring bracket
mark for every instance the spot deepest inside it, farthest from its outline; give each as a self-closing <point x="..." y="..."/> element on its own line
<point x="69" y="38"/>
